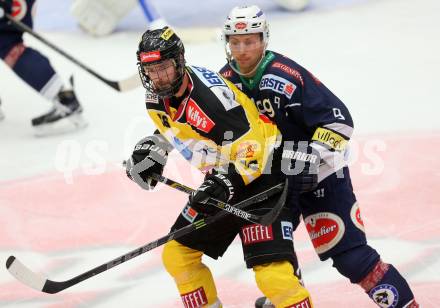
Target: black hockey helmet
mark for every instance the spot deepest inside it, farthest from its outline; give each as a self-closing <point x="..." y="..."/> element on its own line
<point x="156" y="46"/>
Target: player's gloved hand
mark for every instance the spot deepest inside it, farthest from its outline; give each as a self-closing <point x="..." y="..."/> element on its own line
<point x="304" y="163"/>
<point x="149" y="156"/>
<point x="6" y="5"/>
<point x="217" y="186"/>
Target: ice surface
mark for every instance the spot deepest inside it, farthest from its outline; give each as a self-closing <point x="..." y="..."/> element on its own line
<point x="379" y="57"/>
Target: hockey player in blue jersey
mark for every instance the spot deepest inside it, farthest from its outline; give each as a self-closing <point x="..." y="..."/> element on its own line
<point x="315" y="122"/>
<point x="36" y="71"/>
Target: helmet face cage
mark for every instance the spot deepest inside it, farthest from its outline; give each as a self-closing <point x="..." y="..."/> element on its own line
<point x="155" y="47"/>
<point x="174" y="84"/>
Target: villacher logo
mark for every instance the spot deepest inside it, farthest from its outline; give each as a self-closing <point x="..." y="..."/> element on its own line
<point x="325" y="230"/>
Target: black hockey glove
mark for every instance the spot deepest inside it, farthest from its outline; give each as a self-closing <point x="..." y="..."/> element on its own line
<point x="222" y="187"/>
<point x="149" y="156"/>
<point x="6" y="5"/>
<point x="303" y="165"/>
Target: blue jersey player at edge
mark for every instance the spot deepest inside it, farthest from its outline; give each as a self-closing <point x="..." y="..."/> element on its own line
<point x="306" y="112"/>
<point x="36" y="71"/>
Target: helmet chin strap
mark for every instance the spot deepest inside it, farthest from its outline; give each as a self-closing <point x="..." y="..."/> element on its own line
<point x="235" y="69"/>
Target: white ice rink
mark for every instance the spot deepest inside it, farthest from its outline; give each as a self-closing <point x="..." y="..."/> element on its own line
<point x="66" y="206"/>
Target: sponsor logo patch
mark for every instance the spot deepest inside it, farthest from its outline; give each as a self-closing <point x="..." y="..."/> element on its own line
<point x="355" y="215"/>
<point x="167" y="34"/>
<point x="194" y="299"/>
<point x="209" y="78"/>
<point x="332" y="139"/>
<point x="325" y="230"/>
<point x="301" y="156"/>
<point x="292" y="72"/>
<point x="151" y="56"/>
<point x="226" y="97"/>
<point x="197" y="118"/>
<point x="240" y="25"/>
<point x="189" y="213"/>
<point x="385" y="295"/>
<point x="319" y="193"/>
<point x="247" y="149"/>
<point x="151" y="98"/>
<point x="287" y="230"/>
<point x="19" y="9"/>
<point x="227" y="73"/>
<point x="305" y="303"/>
<point x="252" y="234"/>
<point x="289" y="88"/>
<point x="277" y="84"/>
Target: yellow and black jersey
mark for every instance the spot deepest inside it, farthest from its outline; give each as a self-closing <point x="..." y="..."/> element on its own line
<point x="215" y="124"/>
<point x="302" y="107"/>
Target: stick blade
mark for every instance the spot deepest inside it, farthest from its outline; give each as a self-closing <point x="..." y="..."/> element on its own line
<point x="129" y="83"/>
<point x="24" y="274"/>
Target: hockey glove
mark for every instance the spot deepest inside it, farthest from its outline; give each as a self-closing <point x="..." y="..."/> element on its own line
<point x="217" y="186"/>
<point x="149" y="156"/>
<point x="6" y="5"/>
<point x="303" y="161"/>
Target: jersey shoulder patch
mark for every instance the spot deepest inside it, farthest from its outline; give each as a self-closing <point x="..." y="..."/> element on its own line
<point x="208" y="77"/>
<point x="287" y="69"/>
<point x="151" y="98"/>
<point x="152" y="101"/>
<point x="227" y="72"/>
<point x="226" y="69"/>
<point x="226" y="96"/>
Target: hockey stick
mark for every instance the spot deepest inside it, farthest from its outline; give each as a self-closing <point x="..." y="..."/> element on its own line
<point x="262" y="220"/>
<point x="40" y="283"/>
<point x="196" y="34"/>
<point x="121" y="86"/>
<point x="256" y="219"/>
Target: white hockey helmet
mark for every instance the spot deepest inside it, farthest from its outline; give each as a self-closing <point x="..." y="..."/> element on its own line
<point x="246" y="20"/>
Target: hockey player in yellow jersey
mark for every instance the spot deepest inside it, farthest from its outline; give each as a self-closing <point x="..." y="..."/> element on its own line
<point x="219" y="130"/>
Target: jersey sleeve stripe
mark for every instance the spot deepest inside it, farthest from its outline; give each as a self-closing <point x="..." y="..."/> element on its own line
<point x="341" y="128"/>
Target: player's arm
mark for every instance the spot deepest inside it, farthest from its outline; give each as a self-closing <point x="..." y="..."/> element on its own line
<point x="328" y="118"/>
<point x="327" y="121"/>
